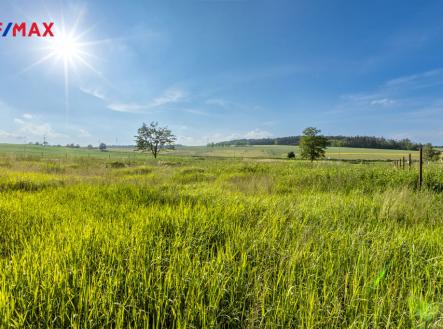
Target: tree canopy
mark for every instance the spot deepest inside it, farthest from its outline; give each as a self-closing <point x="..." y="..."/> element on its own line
<point x="312" y="145"/>
<point x="153" y="138"/>
<point x="430" y="154"/>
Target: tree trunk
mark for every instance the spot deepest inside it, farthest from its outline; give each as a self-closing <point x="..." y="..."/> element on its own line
<point x="155" y="151"/>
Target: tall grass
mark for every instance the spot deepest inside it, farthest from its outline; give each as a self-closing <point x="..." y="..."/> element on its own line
<point x="218" y="243"/>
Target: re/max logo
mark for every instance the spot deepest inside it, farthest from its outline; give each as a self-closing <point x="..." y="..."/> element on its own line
<point x="27" y="30"/>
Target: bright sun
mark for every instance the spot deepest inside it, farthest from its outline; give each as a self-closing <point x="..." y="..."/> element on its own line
<point x="65" y="47"/>
<point x="68" y="48"/>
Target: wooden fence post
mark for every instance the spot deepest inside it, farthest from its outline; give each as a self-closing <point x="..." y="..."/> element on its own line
<point x="403" y="164"/>
<point x="410" y="161"/>
<point x="420" y="175"/>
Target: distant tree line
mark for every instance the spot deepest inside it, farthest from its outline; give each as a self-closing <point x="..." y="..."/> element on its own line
<point x="72" y="145"/>
<point x="373" y="142"/>
<point x="337" y="141"/>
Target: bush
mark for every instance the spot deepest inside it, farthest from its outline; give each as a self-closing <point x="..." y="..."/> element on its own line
<point x="116" y="164"/>
<point x="291" y="155"/>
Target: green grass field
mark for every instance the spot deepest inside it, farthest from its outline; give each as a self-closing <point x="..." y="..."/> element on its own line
<point x="260" y="152"/>
<point x="281" y="151"/>
<point x="101" y="239"/>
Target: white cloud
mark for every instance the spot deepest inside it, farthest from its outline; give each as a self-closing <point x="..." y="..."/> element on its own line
<point x="43" y="129"/>
<point x="9" y="135"/>
<point x="419" y="80"/>
<point x="383" y="102"/>
<point x="83" y="133"/>
<point x="127" y="107"/>
<point x="94" y="92"/>
<point x="31" y="130"/>
<point x="28" y="128"/>
<point x="395" y="92"/>
<point x="257" y="133"/>
<point x="170" y="96"/>
<point x="367" y="101"/>
<point x="221" y="137"/>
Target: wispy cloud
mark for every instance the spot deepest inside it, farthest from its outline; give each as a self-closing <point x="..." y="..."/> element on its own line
<point x="83" y="133"/>
<point x="383" y="102"/>
<point x="94" y="92"/>
<point x="9" y="135"/>
<point x="421" y="80"/>
<point x="127" y="107"/>
<point x="43" y="129"/>
<point x="369" y="101"/>
<point x="400" y="92"/>
<point x="29" y="128"/>
<point x="170" y="96"/>
<point x="199" y="112"/>
<point x="258" y="133"/>
<point x="220" y="137"/>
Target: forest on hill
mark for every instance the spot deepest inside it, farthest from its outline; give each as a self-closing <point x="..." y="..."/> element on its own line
<point x="337" y="141"/>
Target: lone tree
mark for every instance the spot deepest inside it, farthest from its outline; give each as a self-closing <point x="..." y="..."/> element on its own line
<point x="429" y="153"/>
<point x="102" y="147"/>
<point x="153" y="138"/>
<point x="312" y="145"/>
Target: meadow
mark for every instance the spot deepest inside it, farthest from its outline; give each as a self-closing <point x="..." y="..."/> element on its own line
<point x="98" y="240"/>
<point x="235" y="152"/>
<point x="281" y="151"/>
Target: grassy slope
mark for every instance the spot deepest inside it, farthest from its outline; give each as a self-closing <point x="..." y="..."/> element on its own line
<point x="219" y="243"/>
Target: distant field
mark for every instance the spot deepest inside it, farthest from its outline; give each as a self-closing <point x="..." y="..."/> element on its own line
<point x="281" y="151"/>
<point x="264" y="152"/>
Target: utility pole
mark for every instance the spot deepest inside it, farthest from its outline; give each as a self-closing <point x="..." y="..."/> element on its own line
<point x="44" y="145"/>
<point x="420" y="174"/>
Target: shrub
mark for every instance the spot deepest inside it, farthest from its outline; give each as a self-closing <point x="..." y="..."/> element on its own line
<point x="116" y="165"/>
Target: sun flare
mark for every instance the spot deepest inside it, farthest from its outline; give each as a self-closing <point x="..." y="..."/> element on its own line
<point x="68" y="50"/>
<point x="65" y="47"/>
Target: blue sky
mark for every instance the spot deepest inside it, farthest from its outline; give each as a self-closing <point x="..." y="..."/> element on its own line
<point x="213" y="70"/>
